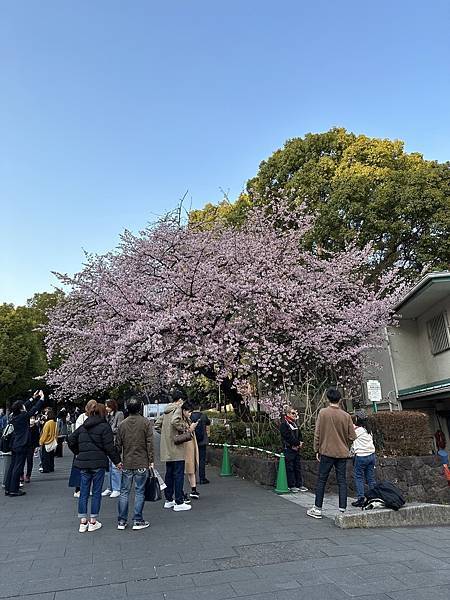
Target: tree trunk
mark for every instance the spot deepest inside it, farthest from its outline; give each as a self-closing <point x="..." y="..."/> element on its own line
<point x="235" y="399"/>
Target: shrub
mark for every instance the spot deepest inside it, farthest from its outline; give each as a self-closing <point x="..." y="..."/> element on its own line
<point x="402" y="433"/>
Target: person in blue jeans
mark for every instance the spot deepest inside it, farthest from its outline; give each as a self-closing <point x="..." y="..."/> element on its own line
<point x="363" y="450"/>
<point x="93" y="445"/>
<point x="134" y="441"/>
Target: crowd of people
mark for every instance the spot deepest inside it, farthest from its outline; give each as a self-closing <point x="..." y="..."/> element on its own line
<point x="337" y="437"/>
<point x="106" y="445"/>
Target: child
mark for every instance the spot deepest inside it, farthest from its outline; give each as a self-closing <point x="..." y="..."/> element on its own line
<point x="363" y="450"/>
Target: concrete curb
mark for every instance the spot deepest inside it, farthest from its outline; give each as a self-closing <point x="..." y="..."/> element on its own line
<point x="419" y="514"/>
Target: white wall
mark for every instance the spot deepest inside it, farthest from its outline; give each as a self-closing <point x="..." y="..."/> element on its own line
<point x="406" y="354"/>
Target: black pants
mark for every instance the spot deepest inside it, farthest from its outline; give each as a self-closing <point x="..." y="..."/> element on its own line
<point x="48" y="460"/>
<point x="30" y="460"/>
<point x="340" y="467"/>
<point x="293" y="468"/>
<point x="59" y="448"/>
<point x="202" y="463"/>
<point x="175" y="481"/>
<point x="15" y="470"/>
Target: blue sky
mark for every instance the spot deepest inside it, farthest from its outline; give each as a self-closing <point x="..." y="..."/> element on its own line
<point x="111" y="110"/>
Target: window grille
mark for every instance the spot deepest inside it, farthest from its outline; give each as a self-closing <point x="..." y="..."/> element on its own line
<point x="438" y="333"/>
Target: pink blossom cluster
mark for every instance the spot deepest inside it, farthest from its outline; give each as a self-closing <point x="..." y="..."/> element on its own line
<point x="174" y="302"/>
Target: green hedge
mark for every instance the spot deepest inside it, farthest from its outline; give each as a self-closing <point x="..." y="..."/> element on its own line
<point x="403" y="433"/>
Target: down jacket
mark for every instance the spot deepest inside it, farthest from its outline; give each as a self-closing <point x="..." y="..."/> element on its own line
<point x="93" y="444"/>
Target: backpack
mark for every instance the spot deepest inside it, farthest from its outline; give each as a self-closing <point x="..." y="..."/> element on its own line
<point x="6" y="439"/>
<point x="386" y="492"/>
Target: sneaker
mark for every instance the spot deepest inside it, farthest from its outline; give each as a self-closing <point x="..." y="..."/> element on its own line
<point x="195" y="495"/>
<point x="76" y="494"/>
<point x="83" y="527"/>
<point x="169" y="504"/>
<point x="303" y="488"/>
<point x="41" y="470"/>
<point x="21" y="484"/>
<point x="342" y="509"/>
<point x="314" y="512"/>
<point x="204" y="481"/>
<point x="184" y="506"/>
<point x="121" y="525"/>
<point x="106" y="493"/>
<point x="294" y="490"/>
<point x="359" y="503"/>
<point x="94" y="526"/>
<point x="187" y="500"/>
<point x="141" y="525"/>
<point x="114" y="494"/>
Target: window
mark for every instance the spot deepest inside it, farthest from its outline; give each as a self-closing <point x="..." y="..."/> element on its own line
<point x="438" y="333"/>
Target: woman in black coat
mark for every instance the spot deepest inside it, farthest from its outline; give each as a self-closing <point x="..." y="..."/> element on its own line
<point x="93" y="445"/>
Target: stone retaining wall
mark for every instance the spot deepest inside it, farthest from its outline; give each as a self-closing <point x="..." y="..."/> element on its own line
<point x="419" y="477"/>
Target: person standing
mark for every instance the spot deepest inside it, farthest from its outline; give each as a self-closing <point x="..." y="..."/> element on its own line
<point x="292" y="440"/>
<point x="33" y="443"/>
<point x="62" y="432"/>
<point x="134" y="441"/>
<point x="20" y="420"/>
<point x="332" y="438"/>
<point x="114" y="417"/>
<point x="363" y="450"/>
<point x="173" y="432"/>
<point x="190" y="450"/>
<point x="48" y="442"/>
<point x="92" y="444"/>
<point x="201" y="434"/>
<point x="75" y="475"/>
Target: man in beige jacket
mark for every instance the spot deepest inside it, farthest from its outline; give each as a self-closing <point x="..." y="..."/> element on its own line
<point x="332" y="438"/>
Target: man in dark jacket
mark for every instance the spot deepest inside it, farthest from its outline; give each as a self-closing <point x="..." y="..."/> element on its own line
<point x="201" y="433"/>
<point x="292" y="442"/>
<point x="20" y="420"/>
<point x="93" y="444"/>
<point x="134" y="441"/>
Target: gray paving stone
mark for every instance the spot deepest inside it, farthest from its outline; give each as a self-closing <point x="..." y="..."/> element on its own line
<point x="261" y="586"/>
<point x="386" y="585"/>
<point x="113" y="592"/>
<point x="213" y="592"/>
<point x="201" y="566"/>
<point x="227" y="576"/>
<point x="441" y="592"/>
<point x="323" y="591"/>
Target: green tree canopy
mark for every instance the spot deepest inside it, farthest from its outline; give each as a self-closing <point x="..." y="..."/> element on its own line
<point x="22" y="352"/>
<point x="364" y="190"/>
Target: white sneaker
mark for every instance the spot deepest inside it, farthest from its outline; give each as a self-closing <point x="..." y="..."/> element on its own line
<point x="94" y="526"/>
<point x="115" y="494"/>
<point x="342" y="509"/>
<point x="184" y="506"/>
<point x="106" y="492"/>
<point x="76" y="494"/>
<point x="170" y="504"/>
<point x="121" y="525"/>
<point x="294" y="490"/>
<point x="41" y="470"/>
<point x="303" y="489"/>
<point x="83" y="527"/>
<point x="314" y="512"/>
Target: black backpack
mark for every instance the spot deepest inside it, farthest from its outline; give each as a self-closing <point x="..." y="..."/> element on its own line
<point x="388" y="493"/>
<point x="6" y="439"/>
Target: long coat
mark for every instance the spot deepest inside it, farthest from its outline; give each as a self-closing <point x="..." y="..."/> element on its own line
<point x="190" y="453"/>
<point x="169" y="425"/>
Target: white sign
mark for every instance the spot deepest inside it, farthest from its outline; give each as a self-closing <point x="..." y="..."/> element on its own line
<point x="374" y="390"/>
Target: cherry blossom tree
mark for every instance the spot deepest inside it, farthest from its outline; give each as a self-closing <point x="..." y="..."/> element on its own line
<point x="175" y="302"/>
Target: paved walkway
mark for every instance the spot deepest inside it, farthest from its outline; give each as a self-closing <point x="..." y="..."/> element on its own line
<point x="240" y="540"/>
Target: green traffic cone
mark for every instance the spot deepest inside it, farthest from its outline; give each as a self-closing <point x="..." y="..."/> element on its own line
<point x="226" y="466"/>
<point x="282" y="485"/>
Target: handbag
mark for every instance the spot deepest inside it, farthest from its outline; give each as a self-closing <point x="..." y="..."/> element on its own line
<point x="51" y="446"/>
<point x="6" y="439"/>
<point x="152" y="488"/>
<point x="182" y="438"/>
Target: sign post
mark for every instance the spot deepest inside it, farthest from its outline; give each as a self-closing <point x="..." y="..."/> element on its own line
<point x="374" y="393"/>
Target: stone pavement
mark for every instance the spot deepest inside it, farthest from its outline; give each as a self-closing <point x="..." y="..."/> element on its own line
<point x="240" y="540"/>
